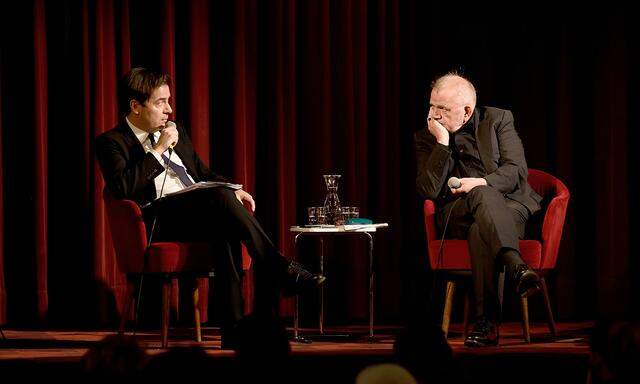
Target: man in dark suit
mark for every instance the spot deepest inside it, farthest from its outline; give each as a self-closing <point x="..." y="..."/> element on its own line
<point x="493" y="202"/>
<point x="133" y="157"/>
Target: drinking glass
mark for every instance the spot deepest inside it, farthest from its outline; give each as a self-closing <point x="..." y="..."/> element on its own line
<point x="312" y="219"/>
<point x="321" y="215"/>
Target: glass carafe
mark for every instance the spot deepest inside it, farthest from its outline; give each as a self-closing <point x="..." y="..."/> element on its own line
<point x="331" y="201"/>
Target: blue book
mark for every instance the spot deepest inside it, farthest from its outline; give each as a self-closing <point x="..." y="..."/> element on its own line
<point x="358" y="221"/>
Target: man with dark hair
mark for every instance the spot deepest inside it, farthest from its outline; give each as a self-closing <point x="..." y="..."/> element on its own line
<point x="133" y="157"/>
<point x="138" y="84"/>
<point x="490" y="208"/>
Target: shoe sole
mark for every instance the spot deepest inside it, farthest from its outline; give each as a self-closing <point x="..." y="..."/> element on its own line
<point x="530" y="291"/>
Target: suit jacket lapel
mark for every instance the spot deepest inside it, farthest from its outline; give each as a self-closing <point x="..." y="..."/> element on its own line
<point x="485" y="146"/>
<point x="130" y="140"/>
<point x="135" y="151"/>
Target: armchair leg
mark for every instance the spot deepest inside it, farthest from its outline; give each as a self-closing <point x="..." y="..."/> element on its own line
<point x="465" y="326"/>
<point x="128" y="307"/>
<point x="446" y="317"/>
<point x="166" y="298"/>
<point x="174" y="299"/>
<point x="501" y="277"/>
<point x="524" y="302"/>
<point x="196" y="313"/>
<point x="550" y="321"/>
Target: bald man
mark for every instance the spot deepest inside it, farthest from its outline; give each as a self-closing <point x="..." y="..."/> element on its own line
<point x="480" y="146"/>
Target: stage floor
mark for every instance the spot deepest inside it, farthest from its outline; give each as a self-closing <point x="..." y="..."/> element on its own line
<point x="543" y="357"/>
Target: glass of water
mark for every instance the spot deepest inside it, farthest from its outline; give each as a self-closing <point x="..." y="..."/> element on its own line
<point x="312" y="218"/>
<point x="321" y="215"/>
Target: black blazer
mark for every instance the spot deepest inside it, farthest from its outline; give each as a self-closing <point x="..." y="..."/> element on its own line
<point x="129" y="172"/>
<point x="501" y="153"/>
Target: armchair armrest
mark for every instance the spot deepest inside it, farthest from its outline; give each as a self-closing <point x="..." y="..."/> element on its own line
<point x="430" y="220"/>
<point x="128" y="231"/>
<point x="552" y="226"/>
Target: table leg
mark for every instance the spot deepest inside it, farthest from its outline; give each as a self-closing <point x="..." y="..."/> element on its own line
<point x="296" y="311"/>
<point x="371" y="283"/>
<point x="321" y="320"/>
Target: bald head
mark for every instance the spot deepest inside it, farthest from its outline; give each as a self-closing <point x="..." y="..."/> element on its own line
<point x="460" y="89"/>
<point x="453" y="100"/>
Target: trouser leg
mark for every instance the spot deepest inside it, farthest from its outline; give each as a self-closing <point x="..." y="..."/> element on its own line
<point x="492" y="225"/>
<point x="493" y="241"/>
<point x="227" y="285"/>
<point x="213" y="215"/>
<point x="483" y="268"/>
<point x="495" y="219"/>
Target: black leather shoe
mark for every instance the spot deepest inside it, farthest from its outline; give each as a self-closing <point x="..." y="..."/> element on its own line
<point x="485" y="334"/>
<point x="298" y="279"/>
<point x="526" y="280"/>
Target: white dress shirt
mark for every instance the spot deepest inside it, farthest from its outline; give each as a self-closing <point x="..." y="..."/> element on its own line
<point x="173" y="183"/>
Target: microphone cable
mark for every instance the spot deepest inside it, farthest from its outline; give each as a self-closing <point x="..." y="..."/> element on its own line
<point x="440" y="255"/>
<point x="444" y="231"/>
<point x="146" y="251"/>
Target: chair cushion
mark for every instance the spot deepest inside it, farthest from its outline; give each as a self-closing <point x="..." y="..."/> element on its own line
<point x="165" y="257"/>
<point x="455" y="255"/>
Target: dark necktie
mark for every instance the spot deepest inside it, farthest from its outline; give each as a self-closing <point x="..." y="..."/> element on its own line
<point x="180" y="171"/>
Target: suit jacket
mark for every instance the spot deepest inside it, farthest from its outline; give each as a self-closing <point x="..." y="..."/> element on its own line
<point x="501" y="153"/>
<point x="129" y="172"/>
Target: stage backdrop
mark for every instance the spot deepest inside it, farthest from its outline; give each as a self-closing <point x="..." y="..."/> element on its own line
<point x="277" y="93"/>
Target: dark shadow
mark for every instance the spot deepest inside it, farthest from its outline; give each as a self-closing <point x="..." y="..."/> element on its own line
<point x="425" y="352"/>
<point x="263" y="350"/>
<point x="181" y="362"/>
<point x="114" y="356"/>
<point x="10" y="343"/>
<point x="615" y="352"/>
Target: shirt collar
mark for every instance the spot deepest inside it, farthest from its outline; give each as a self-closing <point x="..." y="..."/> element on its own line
<point x="469" y="126"/>
<point x="140" y="134"/>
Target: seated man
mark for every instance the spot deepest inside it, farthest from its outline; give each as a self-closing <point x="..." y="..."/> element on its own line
<point x="133" y="158"/>
<point x="490" y="207"/>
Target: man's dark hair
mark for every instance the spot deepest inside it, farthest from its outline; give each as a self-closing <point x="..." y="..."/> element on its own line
<point x="138" y="84"/>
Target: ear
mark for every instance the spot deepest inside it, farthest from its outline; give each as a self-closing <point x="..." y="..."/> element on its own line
<point x="135" y="106"/>
<point x="468" y="111"/>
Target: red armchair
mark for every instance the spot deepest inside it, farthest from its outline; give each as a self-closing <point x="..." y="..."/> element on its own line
<point x="168" y="260"/>
<point x="539" y="252"/>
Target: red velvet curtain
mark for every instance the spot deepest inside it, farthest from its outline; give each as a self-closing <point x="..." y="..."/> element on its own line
<point x="275" y="94"/>
<point x="109" y="49"/>
<point x="3" y="292"/>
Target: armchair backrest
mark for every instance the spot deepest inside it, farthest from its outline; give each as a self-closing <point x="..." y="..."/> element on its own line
<point x="128" y="232"/>
<point x="555" y="199"/>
